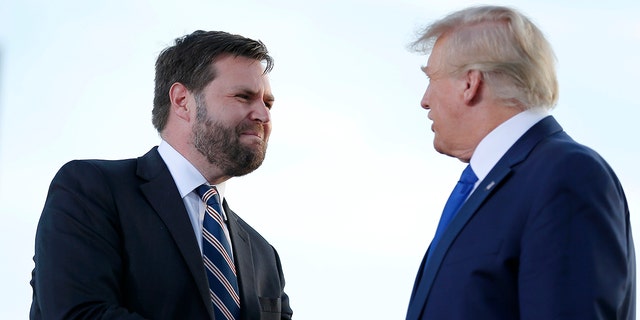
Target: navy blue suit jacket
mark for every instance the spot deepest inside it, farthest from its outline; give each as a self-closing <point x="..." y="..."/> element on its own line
<point x="546" y="235"/>
<point x="115" y="242"/>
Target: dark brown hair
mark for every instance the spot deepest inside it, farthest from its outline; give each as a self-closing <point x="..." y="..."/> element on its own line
<point x="189" y="61"/>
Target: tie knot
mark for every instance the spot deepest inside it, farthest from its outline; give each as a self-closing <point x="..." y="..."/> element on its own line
<point x="207" y="192"/>
<point x="468" y="177"/>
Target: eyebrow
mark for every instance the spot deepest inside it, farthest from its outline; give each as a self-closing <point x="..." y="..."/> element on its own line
<point x="267" y="97"/>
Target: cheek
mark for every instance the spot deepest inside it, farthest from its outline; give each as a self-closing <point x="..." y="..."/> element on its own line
<point x="267" y="129"/>
<point x="436" y="96"/>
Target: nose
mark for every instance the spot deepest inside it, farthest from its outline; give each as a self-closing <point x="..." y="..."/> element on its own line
<point x="260" y="112"/>
<point x="424" y="103"/>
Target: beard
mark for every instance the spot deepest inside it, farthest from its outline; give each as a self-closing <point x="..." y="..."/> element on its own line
<point x="221" y="144"/>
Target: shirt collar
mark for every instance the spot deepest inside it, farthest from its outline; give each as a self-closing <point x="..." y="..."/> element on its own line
<point x="493" y="146"/>
<point x="185" y="175"/>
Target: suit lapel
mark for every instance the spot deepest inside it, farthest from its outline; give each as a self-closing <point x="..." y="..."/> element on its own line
<point x="500" y="172"/>
<point x="246" y="279"/>
<point x="162" y="193"/>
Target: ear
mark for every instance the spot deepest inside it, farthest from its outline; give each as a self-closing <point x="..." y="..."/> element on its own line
<point x="179" y="97"/>
<point x="473" y="81"/>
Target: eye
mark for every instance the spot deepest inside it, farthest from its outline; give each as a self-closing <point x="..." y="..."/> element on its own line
<point x="242" y="96"/>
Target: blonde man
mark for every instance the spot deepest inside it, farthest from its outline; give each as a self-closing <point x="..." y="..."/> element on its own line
<point x="542" y="230"/>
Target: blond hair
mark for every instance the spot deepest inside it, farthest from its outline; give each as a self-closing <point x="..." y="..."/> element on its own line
<point x="515" y="59"/>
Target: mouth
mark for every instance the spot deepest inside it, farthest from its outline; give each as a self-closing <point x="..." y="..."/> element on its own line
<point x="256" y="134"/>
<point x="252" y="135"/>
<point x="251" y="130"/>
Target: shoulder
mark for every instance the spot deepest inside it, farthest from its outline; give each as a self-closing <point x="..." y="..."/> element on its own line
<point x="115" y="170"/>
<point x="98" y="178"/>
<point x="567" y="156"/>
<point x="97" y="165"/>
<point x="95" y="170"/>
<point x="560" y="165"/>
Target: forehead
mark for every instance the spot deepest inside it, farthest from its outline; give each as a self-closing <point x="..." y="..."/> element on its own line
<point x="240" y="70"/>
<point x="435" y="62"/>
<point x="235" y="75"/>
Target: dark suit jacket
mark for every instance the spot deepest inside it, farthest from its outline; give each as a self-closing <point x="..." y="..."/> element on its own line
<point x="115" y="242"/>
<point x="546" y="235"/>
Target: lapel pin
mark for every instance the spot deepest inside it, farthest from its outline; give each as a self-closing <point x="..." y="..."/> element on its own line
<point x="490" y="185"/>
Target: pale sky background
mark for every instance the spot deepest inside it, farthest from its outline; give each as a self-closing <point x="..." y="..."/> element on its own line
<point x="352" y="189"/>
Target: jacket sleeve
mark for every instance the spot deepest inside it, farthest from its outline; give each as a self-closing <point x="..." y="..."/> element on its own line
<point x="78" y="261"/>
<point x="577" y="251"/>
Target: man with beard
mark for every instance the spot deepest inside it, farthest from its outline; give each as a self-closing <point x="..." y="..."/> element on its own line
<point x="153" y="237"/>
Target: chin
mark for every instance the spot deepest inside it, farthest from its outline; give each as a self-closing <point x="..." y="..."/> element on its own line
<point x="440" y="149"/>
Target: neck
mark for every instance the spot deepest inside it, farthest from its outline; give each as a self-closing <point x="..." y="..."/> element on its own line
<point x="210" y="172"/>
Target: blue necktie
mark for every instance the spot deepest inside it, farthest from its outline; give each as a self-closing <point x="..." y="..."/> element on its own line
<point x="456" y="199"/>
<point x="217" y="257"/>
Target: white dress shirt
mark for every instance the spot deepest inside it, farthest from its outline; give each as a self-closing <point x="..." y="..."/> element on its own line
<point x="492" y="147"/>
<point x="187" y="179"/>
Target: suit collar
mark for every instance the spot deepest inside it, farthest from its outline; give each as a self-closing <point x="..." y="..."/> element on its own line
<point x="516" y="154"/>
<point x="186" y="176"/>
<point x="496" y="144"/>
<point x="500" y="172"/>
<point x="163" y="195"/>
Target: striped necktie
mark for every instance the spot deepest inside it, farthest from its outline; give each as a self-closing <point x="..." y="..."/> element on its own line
<point x="217" y="257"/>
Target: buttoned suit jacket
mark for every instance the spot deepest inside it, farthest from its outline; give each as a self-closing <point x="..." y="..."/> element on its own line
<point x="115" y="242"/>
<point x="545" y="235"/>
